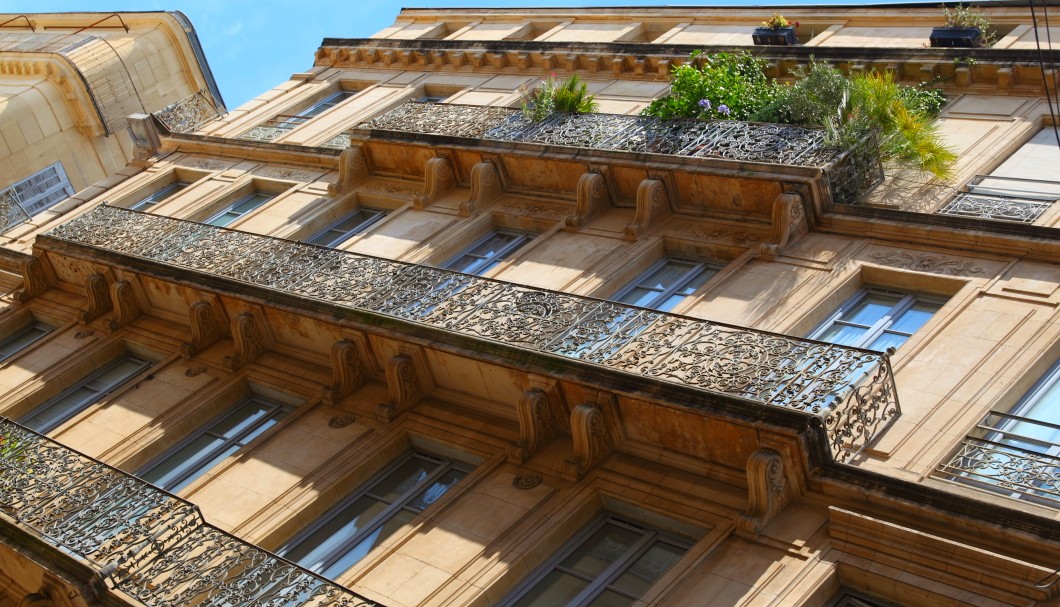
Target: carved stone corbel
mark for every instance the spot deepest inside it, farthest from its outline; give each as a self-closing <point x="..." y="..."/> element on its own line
<point x="537" y="424"/>
<point x="347" y="370"/>
<point x="97" y="295"/>
<point x="437" y="180"/>
<point x="249" y="340"/>
<point x="789" y="222"/>
<point x="486" y="186"/>
<point x="354" y="167"/>
<point x="591" y="437"/>
<point x="592" y="198"/>
<point x="126" y="303"/>
<point x="405" y="387"/>
<point x="208" y="324"/>
<point x="767" y="490"/>
<point x="35" y="279"/>
<point x="653" y="205"/>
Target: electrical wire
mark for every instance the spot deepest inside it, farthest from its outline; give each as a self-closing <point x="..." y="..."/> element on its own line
<point x="1041" y="65"/>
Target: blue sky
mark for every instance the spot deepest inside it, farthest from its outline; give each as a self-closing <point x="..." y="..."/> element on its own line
<point x="252" y="45"/>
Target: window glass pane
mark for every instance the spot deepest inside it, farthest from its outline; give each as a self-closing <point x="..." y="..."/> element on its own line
<point x="649" y="567"/>
<point x="239" y="208"/>
<point x="374" y="539"/>
<point x="406" y="476"/>
<point x="86" y="392"/>
<point x="23" y="337"/>
<point x="158" y="196"/>
<point x="557" y="588"/>
<point x="484" y="255"/>
<point x="317" y="548"/>
<point x="115" y="374"/>
<point x="915" y="317"/>
<point x="665" y="286"/>
<point x="639" y="297"/>
<point x="1047" y="407"/>
<point x="667" y="276"/>
<point x="698" y="280"/>
<point x="181" y="461"/>
<point x="871" y="308"/>
<point x="888" y="340"/>
<point x="240" y="419"/>
<point x="605" y="546"/>
<point x="843" y="335"/>
<point x="610" y="598"/>
<point x="436" y="490"/>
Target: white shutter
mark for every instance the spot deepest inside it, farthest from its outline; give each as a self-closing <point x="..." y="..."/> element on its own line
<point x="42" y="190"/>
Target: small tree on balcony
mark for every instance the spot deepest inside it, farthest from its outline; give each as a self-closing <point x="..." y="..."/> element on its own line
<point x="571" y="96"/>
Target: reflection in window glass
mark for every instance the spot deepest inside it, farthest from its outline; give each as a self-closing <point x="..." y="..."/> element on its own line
<point x="488" y="251"/>
<point x="877" y="319"/>
<point x="84" y="393"/>
<point x="239" y="208"/>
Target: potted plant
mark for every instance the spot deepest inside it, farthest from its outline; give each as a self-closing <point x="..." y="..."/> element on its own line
<point x="775" y="31"/>
<point x="965" y="27"/>
<point x="569" y="97"/>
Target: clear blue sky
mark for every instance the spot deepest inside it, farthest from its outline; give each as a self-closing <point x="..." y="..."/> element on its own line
<point x="252" y="45"/>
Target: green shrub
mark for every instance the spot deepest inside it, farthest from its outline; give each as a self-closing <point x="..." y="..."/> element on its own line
<point x="725" y="86"/>
<point x="968" y="17"/>
<point x="571" y="96"/>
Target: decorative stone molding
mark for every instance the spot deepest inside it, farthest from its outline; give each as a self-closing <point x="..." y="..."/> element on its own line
<point x="926" y="262"/>
<point x="208" y="324"/>
<point x="348" y="372"/>
<point x="767" y="490"/>
<point x="336" y="423"/>
<point x="789" y="222"/>
<point x="593" y="197"/>
<point x="526" y="482"/>
<point x="126" y="303"/>
<point x="35" y="279"/>
<point x="653" y="206"/>
<point x="591" y="437"/>
<point x="354" y="167"/>
<point x="437" y="180"/>
<point x="486" y="187"/>
<point x="537" y="424"/>
<point x="249" y="340"/>
<point x="97" y="295"/>
<point x="405" y="386"/>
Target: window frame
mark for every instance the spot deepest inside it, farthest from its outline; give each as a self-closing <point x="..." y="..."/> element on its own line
<point x="277" y="411"/>
<point x="881" y="325"/>
<point x="160" y="195"/>
<point x="42" y="201"/>
<point x="363" y="226"/>
<point x="23" y="329"/>
<point x="697" y="270"/>
<point x="521" y="239"/>
<point x="142" y="365"/>
<point x="611" y="573"/>
<point x="268" y="197"/>
<point x="379" y="520"/>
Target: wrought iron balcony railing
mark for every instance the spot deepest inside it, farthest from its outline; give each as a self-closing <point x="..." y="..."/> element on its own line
<point x="1004" y="199"/>
<point x="1014" y="455"/>
<point x="851" y="172"/>
<point x="149" y="544"/>
<point x="851" y="390"/>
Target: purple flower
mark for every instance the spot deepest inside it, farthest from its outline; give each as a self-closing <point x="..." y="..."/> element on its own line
<point x="705" y="104"/>
<point x="723" y="109"/>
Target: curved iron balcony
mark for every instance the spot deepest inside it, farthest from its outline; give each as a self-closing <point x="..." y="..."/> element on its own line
<point x="850" y="390"/>
<point x="149" y="544"/>
<point x="850" y="173"/>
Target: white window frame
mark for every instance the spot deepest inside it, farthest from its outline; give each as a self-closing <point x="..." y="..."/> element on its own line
<point x="163" y="193"/>
<point x="520" y="238"/>
<point x="880" y="325"/>
<point x="266" y="198"/>
<point x="698" y="269"/>
<point x="445" y="465"/>
<point x="33" y="326"/>
<point x="276" y="413"/>
<point x="100" y="392"/>
<point x="612" y="572"/>
<point x="33" y="203"/>
<point x="374" y="216"/>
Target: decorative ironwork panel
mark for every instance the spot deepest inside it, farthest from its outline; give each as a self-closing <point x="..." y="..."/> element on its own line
<point x="1000" y="208"/>
<point x="851" y="390"/>
<point x="188" y="114"/>
<point x="856" y="172"/>
<point x="1005" y="468"/>
<point x="149" y="544"/>
<point x="264" y="133"/>
<point x="442" y="119"/>
<point x="339" y="142"/>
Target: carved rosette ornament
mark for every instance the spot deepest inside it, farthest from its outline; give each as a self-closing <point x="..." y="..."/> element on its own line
<point x="767" y="490"/>
<point x="486" y="187"/>
<point x="97" y="296"/>
<point x="207" y="326"/>
<point x="593" y="197"/>
<point x="126" y="302"/>
<point x="537" y="424"/>
<point x="437" y="180"/>
<point x="404" y="385"/>
<point x="354" y="167"/>
<point x="591" y="437"/>
<point x="347" y="370"/>
<point x="34" y="279"/>
<point x="653" y="206"/>
<point x="248" y="339"/>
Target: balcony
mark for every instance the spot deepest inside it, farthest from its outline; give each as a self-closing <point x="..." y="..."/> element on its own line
<point x="148" y="544"/>
<point x="850" y="173"/>
<point x="849" y="390"/>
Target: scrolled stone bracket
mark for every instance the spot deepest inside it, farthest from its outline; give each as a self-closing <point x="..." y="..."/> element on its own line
<point x="354" y="167"/>
<point x="126" y="304"/>
<point x="347" y="369"/>
<point x="35" y="279"/>
<point x="249" y="339"/>
<point x="767" y="488"/>
<point x="406" y="387"/>
<point x="653" y="207"/>
<point x="592" y="439"/>
<point x="593" y="197"/>
<point x="538" y="423"/>
<point x="486" y="186"/>
<point x="438" y="179"/>
<point x="97" y="299"/>
<point x="209" y="323"/>
<point x="789" y="223"/>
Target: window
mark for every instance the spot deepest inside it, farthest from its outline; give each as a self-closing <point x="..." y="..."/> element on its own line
<point x="84" y="393"/>
<point x="239" y="208"/>
<point x="611" y="563"/>
<point x="877" y="319"/>
<point x="212" y="443"/>
<point x="40" y="191"/>
<point x="488" y="251"/>
<point x="344" y="535"/>
<point x="666" y="284"/>
<point x="158" y="196"/>
<point x="22" y="337"/>
<point x="354" y="223"/>
<point x="282" y="124"/>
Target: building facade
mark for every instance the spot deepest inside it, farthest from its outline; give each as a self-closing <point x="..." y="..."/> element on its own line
<point x="374" y="339"/>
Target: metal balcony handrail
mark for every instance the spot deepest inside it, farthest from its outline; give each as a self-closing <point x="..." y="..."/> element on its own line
<point x="1005" y="467"/>
<point x="850" y="390"/>
<point x="146" y="542"/>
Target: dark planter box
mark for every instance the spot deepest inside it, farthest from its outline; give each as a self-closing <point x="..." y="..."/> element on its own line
<point x="964" y="37"/>
<point x="767" y="36"/>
